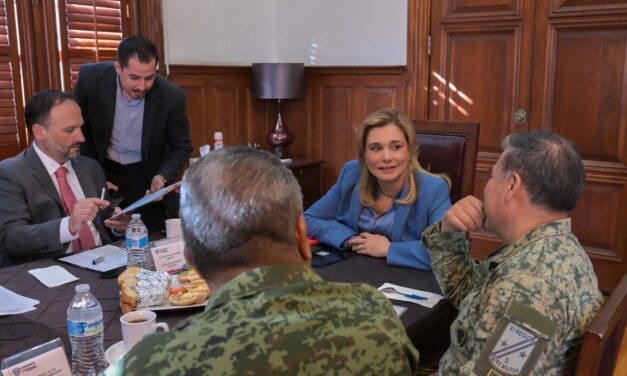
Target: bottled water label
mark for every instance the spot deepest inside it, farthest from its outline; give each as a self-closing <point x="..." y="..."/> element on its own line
<point x="84" y="328"/>
<point x="136" y="243"/>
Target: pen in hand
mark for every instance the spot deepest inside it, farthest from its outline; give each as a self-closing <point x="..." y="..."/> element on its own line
<point x="102" y="195"/>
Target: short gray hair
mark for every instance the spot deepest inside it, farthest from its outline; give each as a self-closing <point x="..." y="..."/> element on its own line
<point x="233" y="198"/>
<point x="550" y="166"/>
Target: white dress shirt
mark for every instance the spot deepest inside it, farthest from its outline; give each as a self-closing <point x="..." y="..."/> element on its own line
<point x="64" y="229"/>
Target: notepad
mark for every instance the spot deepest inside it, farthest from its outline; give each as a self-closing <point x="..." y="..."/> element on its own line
<point x="53" y="276"/>
<point x="114" y="257"/>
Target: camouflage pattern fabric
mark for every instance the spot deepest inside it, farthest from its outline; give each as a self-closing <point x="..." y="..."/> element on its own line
<point x="547" y="270"/>
<point x="281" y="320"/>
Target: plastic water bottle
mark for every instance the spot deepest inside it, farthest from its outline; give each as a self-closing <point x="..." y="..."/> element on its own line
<point x="217" y="141"/>
<point x="137" y="242"/>
<point x="85" y="328"/>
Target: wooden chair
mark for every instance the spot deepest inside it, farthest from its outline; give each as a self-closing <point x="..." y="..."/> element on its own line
<point x="449" y="147"/>
<point x="602" y="339"/>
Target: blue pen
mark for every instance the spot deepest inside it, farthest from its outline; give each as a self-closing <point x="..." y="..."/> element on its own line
<point x="98" y="260"/>
<point x="411" y="296"/>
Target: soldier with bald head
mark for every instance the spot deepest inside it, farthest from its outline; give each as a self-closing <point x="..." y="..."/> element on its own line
<point x="523" y="310"/>
<point x="270" y="313"/>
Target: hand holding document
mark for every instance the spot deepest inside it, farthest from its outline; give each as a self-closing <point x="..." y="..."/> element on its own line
<point x="148" y="199"/>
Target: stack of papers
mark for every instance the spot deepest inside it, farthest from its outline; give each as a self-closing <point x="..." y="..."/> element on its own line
<point x="53" y="276"/>
<point x="13" y="304"/>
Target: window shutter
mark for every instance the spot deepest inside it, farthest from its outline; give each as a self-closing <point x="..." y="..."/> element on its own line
<point x="94" y="30"/>
<point x="10" y="141"/>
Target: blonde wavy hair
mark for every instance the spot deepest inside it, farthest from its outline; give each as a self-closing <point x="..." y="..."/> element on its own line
<point x="368" y="184"/>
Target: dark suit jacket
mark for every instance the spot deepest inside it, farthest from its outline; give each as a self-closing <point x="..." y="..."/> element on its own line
<point x="31" y="209"/>
<point x="166" y="143"/>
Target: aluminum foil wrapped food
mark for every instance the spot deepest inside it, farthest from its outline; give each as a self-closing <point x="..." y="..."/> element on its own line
<point x="142" y="288"/>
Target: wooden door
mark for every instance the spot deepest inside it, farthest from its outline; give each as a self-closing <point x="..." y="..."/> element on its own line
<point x="480" y="71"/>
<point x="562" y="62"/>
<point x="580" y="92"/>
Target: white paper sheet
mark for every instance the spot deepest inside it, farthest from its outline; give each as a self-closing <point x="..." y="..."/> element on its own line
<point x="399" y="310"/>
<point x="114" y="257"/>
<point x="53" y="276"/>
<point x="13" y="304"/>
<point x="432" y="299"/>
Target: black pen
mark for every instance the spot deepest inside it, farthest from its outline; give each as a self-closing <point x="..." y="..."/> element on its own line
<point x="102" y="195"/>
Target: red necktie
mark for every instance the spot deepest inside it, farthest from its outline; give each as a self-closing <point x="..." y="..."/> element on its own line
<point x="85" y="237"/>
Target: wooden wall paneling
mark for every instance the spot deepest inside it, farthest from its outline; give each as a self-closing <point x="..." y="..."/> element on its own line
<point x="417" y="69"/>
<point x="224" y="103"/>
<point x="461" y="8"/>
<point x="481" y="68"/>
<point x="322" y="123"/>
<point x="590" y="6"/>
<point x="342" y="98"/>
<point x="579" y="92"/>
<point x="196" y="115"/>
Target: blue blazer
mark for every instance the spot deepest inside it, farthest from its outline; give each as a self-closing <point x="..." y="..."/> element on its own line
<point x="335" y="217"/>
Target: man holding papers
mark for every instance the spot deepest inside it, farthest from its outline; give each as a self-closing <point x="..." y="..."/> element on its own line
<point x="50" y="197"/>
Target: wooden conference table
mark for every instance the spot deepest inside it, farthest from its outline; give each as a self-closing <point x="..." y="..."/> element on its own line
<point x="427" y="327"/>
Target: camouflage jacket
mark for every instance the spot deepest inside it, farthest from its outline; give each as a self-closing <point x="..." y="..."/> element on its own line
<point x="542" y="290"/>
<point x="281" y="320"/>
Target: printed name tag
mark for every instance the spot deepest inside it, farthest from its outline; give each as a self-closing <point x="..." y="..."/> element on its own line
<point x="53" y="363"/>
<point x="168" y="255"/>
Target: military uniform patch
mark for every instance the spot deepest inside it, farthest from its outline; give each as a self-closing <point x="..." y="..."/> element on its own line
<point x="512" y="349"/>
<point x="517" y="341"/>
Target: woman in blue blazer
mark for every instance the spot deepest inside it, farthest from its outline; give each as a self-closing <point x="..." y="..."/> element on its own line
<point x="382" y="202"/>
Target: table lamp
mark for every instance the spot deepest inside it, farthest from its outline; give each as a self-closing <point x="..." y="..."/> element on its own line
<point x="278" y="81"/>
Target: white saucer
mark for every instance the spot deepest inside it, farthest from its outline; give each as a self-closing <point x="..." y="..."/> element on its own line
<point x="115" y="352"/>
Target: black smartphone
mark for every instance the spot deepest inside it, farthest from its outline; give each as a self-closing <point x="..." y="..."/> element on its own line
<point x="113" y="273"/>
<point x="108" y="211"/>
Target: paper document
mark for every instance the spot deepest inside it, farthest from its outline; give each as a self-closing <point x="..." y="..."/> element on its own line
<point x="148" y="199"/>
<point x="428" y="299"/>
<point x="101" y="259"/>
<point x="13" y="304"/>
<point x="399" y="310"/>
<point x="53" y="276"/>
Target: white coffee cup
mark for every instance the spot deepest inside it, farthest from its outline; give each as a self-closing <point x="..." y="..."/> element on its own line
<point x="173" y="228"/>
<point x="138" y="324"/>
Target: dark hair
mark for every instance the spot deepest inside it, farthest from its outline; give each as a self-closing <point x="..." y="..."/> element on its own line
<point x="234" y="200"/>
<point x="137" y="45"/>
<point x="550" y="166"/>
<point x="39" y="106"/>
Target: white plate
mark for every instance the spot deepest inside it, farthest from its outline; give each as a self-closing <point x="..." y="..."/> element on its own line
<point x="115" y="352"/>
<point x="169" y="307"/>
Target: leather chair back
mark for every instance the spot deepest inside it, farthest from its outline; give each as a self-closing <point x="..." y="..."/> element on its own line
<point x="602" y="339"/>
<point x="451" y="148"/>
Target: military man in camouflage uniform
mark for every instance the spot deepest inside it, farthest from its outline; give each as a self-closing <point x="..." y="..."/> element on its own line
<point x="523" y="310"/>
<point x="270" y="313"/>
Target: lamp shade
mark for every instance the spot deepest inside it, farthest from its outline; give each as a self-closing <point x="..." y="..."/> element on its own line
<point x="278" y="80"/>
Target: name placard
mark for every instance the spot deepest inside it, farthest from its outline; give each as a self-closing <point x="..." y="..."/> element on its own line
<point x="168" y="255"/>
<point x="46" y="360"/>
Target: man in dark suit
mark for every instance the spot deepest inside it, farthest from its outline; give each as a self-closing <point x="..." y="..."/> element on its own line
<point x="135" y="123"/>
<point x="49" y="201"/>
